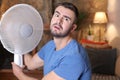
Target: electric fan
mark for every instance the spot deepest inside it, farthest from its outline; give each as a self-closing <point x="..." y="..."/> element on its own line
<point x="21" y="29"/>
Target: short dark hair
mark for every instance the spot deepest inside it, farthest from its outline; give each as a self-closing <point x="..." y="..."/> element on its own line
<point x="71" y="7"/>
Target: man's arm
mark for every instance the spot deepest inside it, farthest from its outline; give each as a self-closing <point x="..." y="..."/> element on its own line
<point x="52" y="76"/>
<point x="33" y="62"/>
<point x="18" y="72"/>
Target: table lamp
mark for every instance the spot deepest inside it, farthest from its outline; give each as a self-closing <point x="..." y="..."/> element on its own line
<point x="100" y="18"/>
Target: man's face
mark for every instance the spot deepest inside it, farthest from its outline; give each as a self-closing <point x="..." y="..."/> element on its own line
<point x="62" y="22"/>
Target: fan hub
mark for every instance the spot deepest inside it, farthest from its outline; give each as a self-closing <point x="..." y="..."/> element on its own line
<point x="26" y="30"/>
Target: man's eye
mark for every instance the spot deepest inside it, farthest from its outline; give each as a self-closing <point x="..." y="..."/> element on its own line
<point x="56" y="15"/>
<point x="66" y="19"/>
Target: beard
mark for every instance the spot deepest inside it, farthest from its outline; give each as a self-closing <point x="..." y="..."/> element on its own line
<point x="61" y="35"/>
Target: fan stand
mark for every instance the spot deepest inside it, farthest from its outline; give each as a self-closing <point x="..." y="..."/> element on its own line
<point x="18" y="59"/>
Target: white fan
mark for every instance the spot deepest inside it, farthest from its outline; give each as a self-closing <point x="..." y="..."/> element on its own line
<point x="21" y="30"/>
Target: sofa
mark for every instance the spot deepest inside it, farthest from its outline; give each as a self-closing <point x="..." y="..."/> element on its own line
<point x="103" y="60"/>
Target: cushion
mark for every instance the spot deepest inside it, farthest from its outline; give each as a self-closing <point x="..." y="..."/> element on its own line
<point x="92" y="44"/>
<point x="102" y="60"/>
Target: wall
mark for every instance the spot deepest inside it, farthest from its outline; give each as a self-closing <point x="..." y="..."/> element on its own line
<point x="113" y="25"/>
<point x="113" y="28"/>
<point x="43" y="7"/>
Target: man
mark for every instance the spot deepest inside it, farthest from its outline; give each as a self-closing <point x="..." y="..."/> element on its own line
<point x="63" y="58"/>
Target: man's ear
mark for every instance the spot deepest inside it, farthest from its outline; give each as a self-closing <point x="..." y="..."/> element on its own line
<point x="73" y="27"/>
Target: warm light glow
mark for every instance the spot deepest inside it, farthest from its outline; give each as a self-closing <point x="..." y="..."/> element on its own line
<point x="112" y="5"/>
<point x="111" y="29"/>
<point x="100" y="17"/>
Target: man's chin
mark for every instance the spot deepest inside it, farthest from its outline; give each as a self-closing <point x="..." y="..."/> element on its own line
<point x="56" y="35"/>
<point x="59" y="36"/>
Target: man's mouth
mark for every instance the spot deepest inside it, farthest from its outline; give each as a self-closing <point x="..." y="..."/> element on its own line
<point x="57" y="27"/>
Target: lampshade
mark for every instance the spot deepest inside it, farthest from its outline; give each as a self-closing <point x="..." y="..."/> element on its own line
<point x="100" y="17"/>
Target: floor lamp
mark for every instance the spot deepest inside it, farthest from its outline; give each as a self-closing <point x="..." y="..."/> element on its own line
<point x="100" y="18"/>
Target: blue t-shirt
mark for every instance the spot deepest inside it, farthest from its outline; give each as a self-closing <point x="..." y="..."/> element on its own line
<point x="70" y="63"/>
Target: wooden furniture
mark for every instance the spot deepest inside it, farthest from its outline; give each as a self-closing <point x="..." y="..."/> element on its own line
<point x="7" y="74"/>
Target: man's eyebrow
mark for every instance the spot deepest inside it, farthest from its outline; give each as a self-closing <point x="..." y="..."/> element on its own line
<point x="57" y="12"/>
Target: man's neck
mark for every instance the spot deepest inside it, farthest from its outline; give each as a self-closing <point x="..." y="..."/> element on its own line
<point x="62" y="42"/>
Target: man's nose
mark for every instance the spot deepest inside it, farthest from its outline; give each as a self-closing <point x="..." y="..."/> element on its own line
<point x="60" y="20"/>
